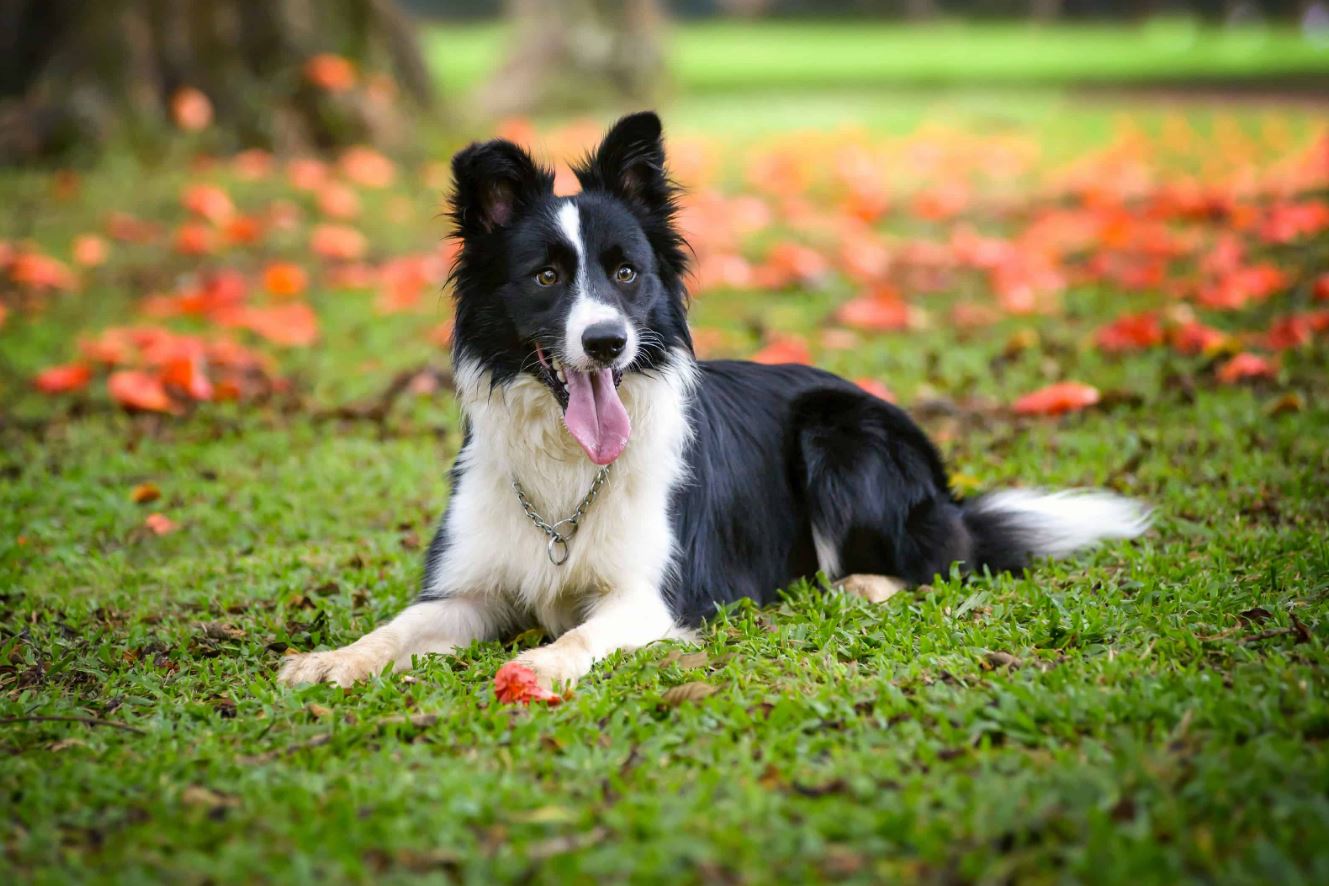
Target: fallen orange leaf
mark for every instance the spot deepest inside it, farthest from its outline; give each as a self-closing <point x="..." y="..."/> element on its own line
<point x="285" y="279"/>
<point x="243" y="230"/>
<point x="138" y="390"/>
<point x="876" y="389"/>
<point x="1056" y="399"/>
<point x="1245" y="366"/>
<point x="1130" y="332"/>
<point x="338" y="242"/>
<point x="62" y="379"/>
<point x="32" y="270"/>
<point x="90" y="250"/>
<point x="160" y="524"/>
<point x="193" y="239"/>
<point x="1196" y="338"/>
<point x="337" y="200"/>
<point x="881" y="310"/>
<point x="331" y="72"/>
<point x="186" y="372"/>
<point x="367" y="167"/>
<point x="191" y="109"/>
<point x="293" y="324"/>
<point x="1322" y="287"/>
<point x="515" y="683"/>
<point x="208" y="201"/>
<point x="786" y="349"/>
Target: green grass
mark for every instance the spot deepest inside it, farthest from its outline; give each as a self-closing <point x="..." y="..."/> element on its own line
<point x="809" y="56"/>
<point x="1166" y="719"/>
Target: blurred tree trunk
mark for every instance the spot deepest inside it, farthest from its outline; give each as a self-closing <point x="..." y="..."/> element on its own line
<point x="74" y="73"/>
<point x="578" y="55"/>
<point x="1045" y="10"/>
<point x="920" y="10"/>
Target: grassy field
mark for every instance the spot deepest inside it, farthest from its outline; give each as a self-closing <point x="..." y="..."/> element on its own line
<point x="810" y="56"/>
<point x="1149" y="713"/>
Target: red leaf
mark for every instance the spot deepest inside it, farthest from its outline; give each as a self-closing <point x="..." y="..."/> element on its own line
<point x="1294" y="330"/>
<point x="1130" y="332"/>
<point x="1322" y="287"/>
<point x="32" y="270"/>
<point x="338" y="242"/>
<point x="62" y="379"/>
<point x="337" y="200"/>
<point x="330" y="72"/>
<point x="285" y="279"/>
<point x="90" y="250"/>
<point x="160" y="524"/>
<point x="192" y="238"/>
<point x="876" y="389"/>
<point x="293" y="325"/>
<point x="1196" y="338"/>
<point x="191" y="109"/>
<point x="367" y="167"/>
<point x="785" y="349"/>
<point x="187" y="373"/>
<point x="139" y="390"/>
<point x="208" y="201"/>
<point x="880" y="310"/>
<point x="515" y="683"/>
<point x="243" y="230"/>
<point x="1055" y="399"/>
<point x="1246" y="365"/>
<point x="789" y="263"/>
<point x="1242" y="285"/>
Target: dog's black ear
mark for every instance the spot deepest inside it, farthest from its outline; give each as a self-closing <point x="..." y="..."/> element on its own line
<point x="630" y="163"/>
<point x="492" y="183"/>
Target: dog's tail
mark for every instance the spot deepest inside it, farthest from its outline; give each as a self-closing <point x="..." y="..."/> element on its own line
<point x="1009" y="528"/>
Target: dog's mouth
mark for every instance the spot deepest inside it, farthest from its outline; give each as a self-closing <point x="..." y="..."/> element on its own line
<point x="592" y="411"/>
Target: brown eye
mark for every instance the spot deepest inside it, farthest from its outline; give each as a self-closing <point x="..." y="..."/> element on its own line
<point x="625" y="274"/>
<point x="546" y="277"/>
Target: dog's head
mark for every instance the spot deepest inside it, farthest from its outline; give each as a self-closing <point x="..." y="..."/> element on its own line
<point x="577" y="292"/>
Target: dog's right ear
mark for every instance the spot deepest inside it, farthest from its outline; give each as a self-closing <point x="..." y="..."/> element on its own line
<point x="493" y="182"/>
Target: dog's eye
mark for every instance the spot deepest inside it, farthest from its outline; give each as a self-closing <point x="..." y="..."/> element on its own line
<point x="625" y="273"/>
<point x="546" y="277"/>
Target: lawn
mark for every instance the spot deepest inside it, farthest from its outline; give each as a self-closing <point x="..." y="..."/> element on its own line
<point x="706" y="57"/>
<point x="1150" y="712"/>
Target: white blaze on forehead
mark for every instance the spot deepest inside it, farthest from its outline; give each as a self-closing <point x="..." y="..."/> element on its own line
<point x="587" y="311"/>
<point x="569" y="220"/>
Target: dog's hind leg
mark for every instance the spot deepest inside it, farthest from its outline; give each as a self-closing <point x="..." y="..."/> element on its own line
<point x="427" y="626"/>
<point x="875" y="493"/>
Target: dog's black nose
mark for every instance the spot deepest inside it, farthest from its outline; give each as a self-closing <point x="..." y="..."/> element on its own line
<point x="604" y="341"/>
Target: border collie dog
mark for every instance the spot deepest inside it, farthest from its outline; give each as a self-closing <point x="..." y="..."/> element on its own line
<point x="614" y="490"/>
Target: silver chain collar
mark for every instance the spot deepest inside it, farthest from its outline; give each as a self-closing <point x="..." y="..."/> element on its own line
<point x="558" y="536"/>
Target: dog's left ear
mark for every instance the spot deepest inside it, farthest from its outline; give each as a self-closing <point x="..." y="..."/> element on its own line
<point x="630" y="163"/>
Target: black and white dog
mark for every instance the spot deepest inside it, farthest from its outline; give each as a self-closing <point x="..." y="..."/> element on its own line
<point x="613" y="490"/>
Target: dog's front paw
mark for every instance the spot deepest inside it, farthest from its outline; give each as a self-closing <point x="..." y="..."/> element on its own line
<point x="344" y="667"/>
<point x="556" y="668"/>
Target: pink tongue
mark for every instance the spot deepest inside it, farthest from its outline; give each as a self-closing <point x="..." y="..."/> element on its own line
<point x="595" y="416"/>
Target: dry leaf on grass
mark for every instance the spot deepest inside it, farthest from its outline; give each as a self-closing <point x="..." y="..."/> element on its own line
<point x="207" y="798"/>
<point x="687" y="692"/>
<point x="220" y="630"/>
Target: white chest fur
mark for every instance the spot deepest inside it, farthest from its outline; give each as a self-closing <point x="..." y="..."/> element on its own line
<point x="624" y="539"/>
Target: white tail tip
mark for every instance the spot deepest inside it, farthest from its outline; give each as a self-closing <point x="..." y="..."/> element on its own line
<point x="1057" y="524"/>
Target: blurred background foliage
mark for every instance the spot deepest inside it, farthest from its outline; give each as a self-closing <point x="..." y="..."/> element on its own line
<point x="294" y="75"/>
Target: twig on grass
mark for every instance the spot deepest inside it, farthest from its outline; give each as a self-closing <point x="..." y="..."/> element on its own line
<point x="376" y="409"/>
<point x="89" y="721"/>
